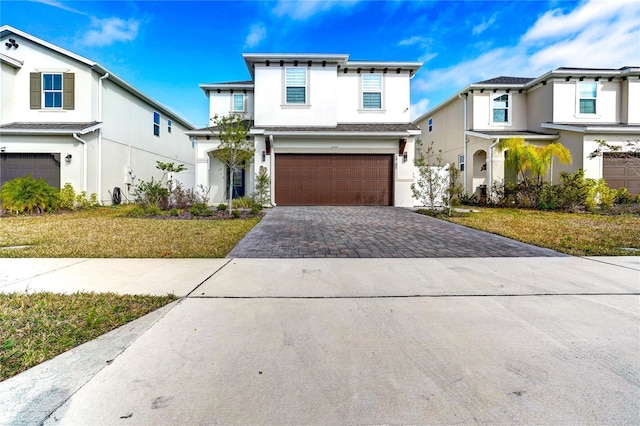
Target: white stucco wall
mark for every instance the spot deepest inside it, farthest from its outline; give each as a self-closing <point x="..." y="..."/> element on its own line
<point x="221" y="103"/>
<point x="633" y="101"/>
<point x="482" y="111"/>
<point x="566" y="107"/>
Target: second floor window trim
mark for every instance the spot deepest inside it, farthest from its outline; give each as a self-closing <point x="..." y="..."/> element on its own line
<point x="52" y="90"/>
<point x="238" y="103"/>
<point x="296" y="86"/>
<point x="501" y="109"/>
<point x="372" y="91"/>
<point x="587" y="98"/>
<point x="156" y="123"/>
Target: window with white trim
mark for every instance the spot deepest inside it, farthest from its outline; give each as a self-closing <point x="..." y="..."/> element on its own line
<point x="296" y="85"/>
<point x="500" y="106"/>
<point x="431" y="124"/>
<point x="372" y="91"/>
<point x="461" y="162"/>
<point x="52" y="90"/>
<point x="169" y="123"/>
<point x="156" y="123"/>
<point x="238" y="102"/>
<point x="587" y="97"/>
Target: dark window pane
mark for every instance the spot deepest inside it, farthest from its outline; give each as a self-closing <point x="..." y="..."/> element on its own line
<point x="587" y="106"/>
<point x="499" y="115"/>
<point x="372" y="100"/>
<point x="296" y="95"/>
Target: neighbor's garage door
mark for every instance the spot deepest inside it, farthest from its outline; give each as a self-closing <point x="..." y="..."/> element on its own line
<point x="333" y="179"/>
<point x="46" y="166"/>
<point x="622" y="170"/>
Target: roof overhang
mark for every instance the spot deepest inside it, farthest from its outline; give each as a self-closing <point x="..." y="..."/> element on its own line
<point x="592" y="128"/>
<point x="11" y="61"/>
<point x="49" y="128"/>
<point x="506" y="135"/>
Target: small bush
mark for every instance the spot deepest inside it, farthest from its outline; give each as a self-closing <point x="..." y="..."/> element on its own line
<point x="573" y="190"/>
<point x="29" y="195"/>
<point x="222" y="207"/>
<point x="623" y="196"/>
<point x="67" y="197"/>
<point x="200" y="209"/>
<point x="235" y="213"/>
<point x="87" y="203"/>
<point x="549" y="199"/>
<point x="174" y="212"/>
<point x="255" y="209"/>
<point x="599" y="196"/>
<point x="137" y="211"/>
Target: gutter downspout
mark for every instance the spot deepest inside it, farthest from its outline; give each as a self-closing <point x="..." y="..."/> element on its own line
<point x="464" y="139"/>
<point x="490" y="167"/>
<point x="100" y="136"/>
<point x="84" y="161"/>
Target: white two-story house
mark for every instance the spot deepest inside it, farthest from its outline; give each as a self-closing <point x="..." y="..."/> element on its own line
<point x="328" y="130"/>
<point x="66" y="118"/>
<point x="575" y="107"/>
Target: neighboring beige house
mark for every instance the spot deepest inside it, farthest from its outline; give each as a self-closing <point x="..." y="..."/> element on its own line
<point x="572" y="106"/>
<point x="65" y="118"/>
<point x="329" y="131"/>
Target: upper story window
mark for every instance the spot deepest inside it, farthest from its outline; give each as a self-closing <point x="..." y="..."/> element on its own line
<point x="156" y="123"/>
<point x="372" y="91"/>
<point x="238" y="102"/>
<point x="169" y="123"/>
<point x="587" y="96"/>
<point x="296" y="85"/>
<point x="431" y="124"/>
<point x="52" y="90"/>
<point x="500" y="109"/>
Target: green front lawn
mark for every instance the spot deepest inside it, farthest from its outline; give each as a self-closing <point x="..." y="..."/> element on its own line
<point x="577" y="234"/>
<point x="107" y="233"/>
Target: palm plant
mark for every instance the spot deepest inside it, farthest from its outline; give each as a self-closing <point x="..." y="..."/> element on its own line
<point x="524" y="157"/>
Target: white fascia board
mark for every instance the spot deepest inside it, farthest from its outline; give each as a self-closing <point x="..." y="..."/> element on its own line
<point x="592" y="129"/>
<point x="90" y="129"/>
<point x="251" y="58"/>
<point x="11" y="61"/>
<point x="200" y="133"/>
<point x="487" y="136"/>
<point x="478" y="134"/>
<point x="333" y="135"/>
<point x="10" y="29"/>
<point x="413" y="66"/>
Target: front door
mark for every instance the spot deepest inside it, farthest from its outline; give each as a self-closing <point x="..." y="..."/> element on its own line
<point x="238" y="180"/>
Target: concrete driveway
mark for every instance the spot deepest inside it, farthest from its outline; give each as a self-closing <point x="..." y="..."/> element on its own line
<point x="371" y="232"/>
<point x="527" y="340"/>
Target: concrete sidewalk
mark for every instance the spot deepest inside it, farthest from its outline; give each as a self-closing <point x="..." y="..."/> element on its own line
<point x="316" y="341"/>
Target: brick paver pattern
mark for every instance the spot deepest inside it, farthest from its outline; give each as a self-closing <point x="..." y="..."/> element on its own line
<point x="371" y="232"/>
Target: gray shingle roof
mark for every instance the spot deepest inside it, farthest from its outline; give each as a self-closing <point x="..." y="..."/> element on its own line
<point x="71" y="127"/>
<point x="506" y="80"/>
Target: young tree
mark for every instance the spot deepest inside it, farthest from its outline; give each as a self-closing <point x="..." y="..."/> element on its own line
<point x="525" y="157"/>
<point x="431" y="186"/>
<point x="235" y="148"/>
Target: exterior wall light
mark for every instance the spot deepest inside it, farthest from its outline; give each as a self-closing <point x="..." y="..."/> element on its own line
<point x="68" y="158"/>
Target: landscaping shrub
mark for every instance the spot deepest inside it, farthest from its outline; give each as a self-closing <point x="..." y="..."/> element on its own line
<point x="599" y="196"/>
<point x="87" y="203"/>
<point x="235" y="213"/>
<point x="623" y="196"/>
<point x="67" y="197"/>
<point x="151" y="193"/>
<point x="222" y="206"/>
<point x="29" y="195"/>
<point x="573" y="190"/>
<point x="200" y="209"/>
<point x="136" y="211"/>
<point x="243" y="203"/>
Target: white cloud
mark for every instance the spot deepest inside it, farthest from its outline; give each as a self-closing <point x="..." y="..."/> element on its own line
<point x="303" y="9"/>
<point x="596" y="34"/>
<point x="484" y="25"/>
<point x="257" y="33"/>
<point x="422" y="43"/>
<point x="419" y="108"/>
<point x="110" y="30"/>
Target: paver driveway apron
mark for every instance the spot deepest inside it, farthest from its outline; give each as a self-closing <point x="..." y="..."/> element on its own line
<point x="371" y="232"/>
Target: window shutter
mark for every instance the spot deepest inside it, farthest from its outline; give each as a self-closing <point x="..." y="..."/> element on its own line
<point x="68" y="91"/>
<point x="35" y="91"/>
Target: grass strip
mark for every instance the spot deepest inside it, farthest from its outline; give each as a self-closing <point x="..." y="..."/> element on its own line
<point x="35" y="327"/>
<point x="577" y="234"/>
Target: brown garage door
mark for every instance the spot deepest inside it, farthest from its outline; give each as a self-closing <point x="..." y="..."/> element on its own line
<point x="45" y="166"/>
<point x="622" y="169"/>
<point x="335" y="180"/>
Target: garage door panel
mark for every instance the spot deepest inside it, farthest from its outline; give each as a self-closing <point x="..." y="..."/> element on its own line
<point x="39" y="165"/>
<point x="326" y="179"/>
<point x="622" y="170"/>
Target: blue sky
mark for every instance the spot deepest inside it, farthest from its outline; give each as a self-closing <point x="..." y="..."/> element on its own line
<point x="166" y="48"/>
